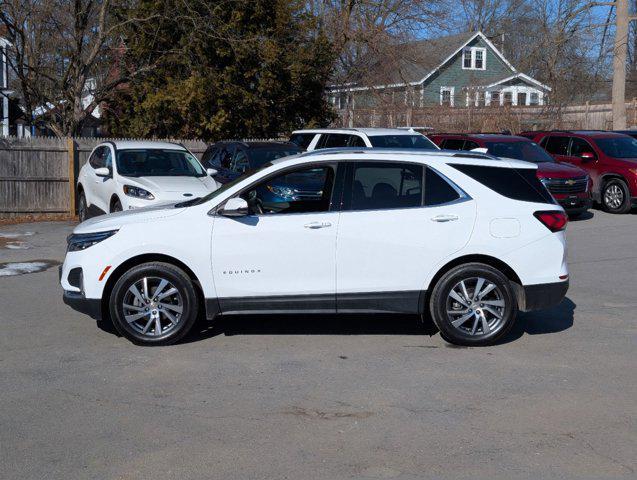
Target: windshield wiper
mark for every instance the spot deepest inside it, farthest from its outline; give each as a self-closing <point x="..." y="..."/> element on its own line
<point x="187" y="203"/>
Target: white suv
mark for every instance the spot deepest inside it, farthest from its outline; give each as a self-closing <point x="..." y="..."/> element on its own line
<point x="395" y="138"/>
<point x="465" y="238"/>
<point x="143" y="174"/>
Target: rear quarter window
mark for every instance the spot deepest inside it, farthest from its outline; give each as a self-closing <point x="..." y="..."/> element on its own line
<point x="516" y="183"/>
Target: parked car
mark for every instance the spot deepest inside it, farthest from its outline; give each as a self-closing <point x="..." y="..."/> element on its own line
<point x="569" y="185"/>
<point x="397" y="138"/>
<point x="232" y="158"/>
<point x="141" y="174"/>
<point x="609" y="158"/>
<point x="467" y="239"/>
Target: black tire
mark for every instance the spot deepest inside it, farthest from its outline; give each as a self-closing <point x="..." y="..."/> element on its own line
<point x="168" y="331"/>
<point x="441" y="300"/>
<point x="82" y="209"/>
<point x="116" y="206"/>
<point x="615" y="196"/>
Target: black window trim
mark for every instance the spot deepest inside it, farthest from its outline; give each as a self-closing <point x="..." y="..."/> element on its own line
<point x="348" y="178"/>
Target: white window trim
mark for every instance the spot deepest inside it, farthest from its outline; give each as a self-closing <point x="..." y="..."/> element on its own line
<point x="452" y="91"/>
<point x="473" y="51"/>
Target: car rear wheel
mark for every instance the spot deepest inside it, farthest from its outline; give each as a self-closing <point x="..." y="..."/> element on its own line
<point x="473" y="304"/>
<point x="615" y="196"/>
<point x="154" y="304"/>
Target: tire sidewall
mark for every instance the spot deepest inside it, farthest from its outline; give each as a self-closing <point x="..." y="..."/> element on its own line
<point x="117" y="206"/>
<point x="625" y="206"/>
<point x="441" y="292"/>
<point x="178" y="278"/>
<point x="81" y="210"/>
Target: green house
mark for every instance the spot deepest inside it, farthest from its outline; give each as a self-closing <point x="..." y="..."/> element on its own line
<point x="454" y="71"/>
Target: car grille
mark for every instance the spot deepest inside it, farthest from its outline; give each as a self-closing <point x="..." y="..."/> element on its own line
<point x="566" y="185"/>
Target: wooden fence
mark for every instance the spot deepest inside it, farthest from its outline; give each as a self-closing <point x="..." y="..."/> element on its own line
<point x="38" y="174"/>
<point x="588" y="116"/>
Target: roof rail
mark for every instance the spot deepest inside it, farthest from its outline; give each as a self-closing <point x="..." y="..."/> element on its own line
<point x="399" y="151"/>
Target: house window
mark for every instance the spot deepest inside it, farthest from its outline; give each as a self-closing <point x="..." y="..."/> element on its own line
<point x="467" y="60"/>
<point x="480" y="99"/>
<point x="474" y="58"/>
<point x="446" y="96"/>
<point x="495" y="99"/>
<point x="534" y="99"/>
<point x="479" y="59"/>
<point x="507" y="98"/>
<point x="521" y="98"/>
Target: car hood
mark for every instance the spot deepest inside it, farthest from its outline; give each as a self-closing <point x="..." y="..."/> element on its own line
<point x="197" y="186"/>
<point x="117" y="220"/>
<point x="559" y="170"/>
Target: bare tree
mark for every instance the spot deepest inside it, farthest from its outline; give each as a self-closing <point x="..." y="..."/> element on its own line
<point x="66" y="57"/>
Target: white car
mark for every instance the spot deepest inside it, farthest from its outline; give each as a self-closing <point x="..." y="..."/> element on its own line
<point x="396" y="138"/>
<point x="123" y="175"/>
<point x="466" y="238"/>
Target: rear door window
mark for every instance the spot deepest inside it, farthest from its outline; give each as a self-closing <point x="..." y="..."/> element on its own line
<point x="557" y="145"/>
<point x="453" y="143"/>
<point x="303" y="140"/>
<point x="334" y="140"/>
<point x="437" y="190"/>
<point x="380" y="186"/>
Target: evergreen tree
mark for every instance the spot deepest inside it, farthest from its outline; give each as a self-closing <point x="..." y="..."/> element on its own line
<point x="223" y="69"/>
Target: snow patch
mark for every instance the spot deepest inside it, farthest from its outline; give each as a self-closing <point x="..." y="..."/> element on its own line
<point x="10" y="269"/>
<point x="16" y="235"/>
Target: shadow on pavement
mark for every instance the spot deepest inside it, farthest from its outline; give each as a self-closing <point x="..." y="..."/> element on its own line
<point x="554" y="320"/>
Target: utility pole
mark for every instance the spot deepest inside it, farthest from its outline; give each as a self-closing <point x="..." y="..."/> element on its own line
<point x="619" y="64"/>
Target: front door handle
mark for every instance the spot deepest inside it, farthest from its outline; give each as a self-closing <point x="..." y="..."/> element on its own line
<point x="315" y="225"/>
<point x="445" y="218"/>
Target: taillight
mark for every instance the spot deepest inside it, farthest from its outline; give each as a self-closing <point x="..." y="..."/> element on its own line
<point x="553" y="220"/>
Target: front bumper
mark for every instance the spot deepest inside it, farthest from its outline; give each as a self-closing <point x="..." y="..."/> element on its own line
<point x="575" y="204"/>
<point x="88" y="306"/>
<point x="544" y="295"/>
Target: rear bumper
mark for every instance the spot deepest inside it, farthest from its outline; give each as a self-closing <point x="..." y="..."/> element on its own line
<point x="544" y="295"/>
<point x="88" y="306"/>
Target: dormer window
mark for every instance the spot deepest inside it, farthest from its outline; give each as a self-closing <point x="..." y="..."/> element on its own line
<point x="474" y="58"/>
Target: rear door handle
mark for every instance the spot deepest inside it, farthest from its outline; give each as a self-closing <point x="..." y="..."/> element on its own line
<point x="445" y="218"/>
<point x="315" y="225"/>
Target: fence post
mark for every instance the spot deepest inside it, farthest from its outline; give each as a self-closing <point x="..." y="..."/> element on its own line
<point x="71" y="153"/>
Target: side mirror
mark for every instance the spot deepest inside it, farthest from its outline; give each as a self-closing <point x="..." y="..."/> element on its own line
<point x="235" y="207"/>
<point x="587" y="156"/>
<point x="211" y="171"/>
<point x="103" y="172"/>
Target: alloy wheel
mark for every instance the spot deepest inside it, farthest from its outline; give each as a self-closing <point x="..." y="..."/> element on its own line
<point x="152" y="306"/>
<point x="475" y="306"/>
<point x="614" y="196"/>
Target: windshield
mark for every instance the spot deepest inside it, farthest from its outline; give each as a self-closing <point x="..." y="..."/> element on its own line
<point x="618" y="147"/>
<point x="402" y="141"/>
<point x="520" y="150"/>
<point x="154" y="162"/>
<point x="261" y="156"/>
<point x="226" y="186"/>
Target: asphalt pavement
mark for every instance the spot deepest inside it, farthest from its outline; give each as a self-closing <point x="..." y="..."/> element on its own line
<point x="317" y="397"/>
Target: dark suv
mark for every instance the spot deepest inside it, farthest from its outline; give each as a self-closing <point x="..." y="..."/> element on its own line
<point x="610" y="158"/>
<point x="232" y="158"/>
<point x="568" y="184"/>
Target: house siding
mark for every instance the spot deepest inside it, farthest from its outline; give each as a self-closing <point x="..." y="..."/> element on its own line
<point x="453" y="75"/>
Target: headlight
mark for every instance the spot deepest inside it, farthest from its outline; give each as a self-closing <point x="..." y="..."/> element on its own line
<point x="138" y="192"/>
<point x="285" y="192"/>
<point x="81" y="241"/>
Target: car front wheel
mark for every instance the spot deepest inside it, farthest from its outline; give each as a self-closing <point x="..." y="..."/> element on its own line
<point x="153" y="304"/>
<point x="473" y="304"/>
<point x="615" y="196"/>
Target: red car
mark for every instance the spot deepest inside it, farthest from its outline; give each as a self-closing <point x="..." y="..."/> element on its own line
<point x="610" y="158"/>
<point x="568" y="184"/>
